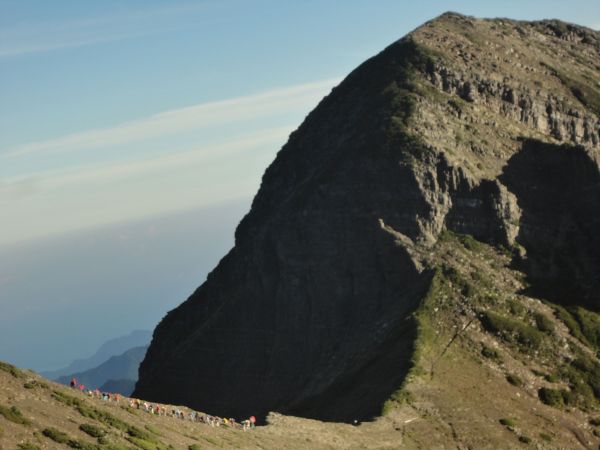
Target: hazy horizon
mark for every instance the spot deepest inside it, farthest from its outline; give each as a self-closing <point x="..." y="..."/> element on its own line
<point x="128" y="277"/>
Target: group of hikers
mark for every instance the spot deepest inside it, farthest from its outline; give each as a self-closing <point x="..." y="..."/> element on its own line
<point x="162" y="410"/>
<point x="96" y="393"/>
<point x="193" y="416"/>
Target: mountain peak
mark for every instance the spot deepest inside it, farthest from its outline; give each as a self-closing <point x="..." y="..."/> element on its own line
<point x="407" y="226"/>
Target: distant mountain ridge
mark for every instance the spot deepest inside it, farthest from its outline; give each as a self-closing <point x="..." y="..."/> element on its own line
<point x="121" y="367"/>
<point x="123" y="386"/>
<point x="112" y="347"/>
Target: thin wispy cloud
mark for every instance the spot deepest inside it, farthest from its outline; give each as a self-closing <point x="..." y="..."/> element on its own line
<point x="43" y="36"/>
<point x="179" y="120"/>
<point x="219" y="153"/>
<point x="104" y="194"/>
<point x="57" y="43"/>
<point x="32" y="183"/>
<point x="171" y="161"/>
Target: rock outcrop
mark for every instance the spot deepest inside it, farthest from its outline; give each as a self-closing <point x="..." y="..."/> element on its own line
<point x="482" y="127"/>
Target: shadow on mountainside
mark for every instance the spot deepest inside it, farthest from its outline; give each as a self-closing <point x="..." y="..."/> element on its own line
<point x="558" y="190"/>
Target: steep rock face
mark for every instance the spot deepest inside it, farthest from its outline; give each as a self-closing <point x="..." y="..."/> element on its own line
<point x="311" y="311"/>
<point x="315" y="287"/>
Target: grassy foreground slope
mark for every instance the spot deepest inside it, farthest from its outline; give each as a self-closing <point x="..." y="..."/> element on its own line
<point x="38" y="414"/>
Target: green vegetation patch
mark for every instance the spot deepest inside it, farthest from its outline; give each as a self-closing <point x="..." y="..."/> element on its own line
<point x="511" y="423"/>
<point x="153" y="430"/>
<point x="567" y="318"/>
<point x="552" y="378"/>
<point x="543" y="323"/>
<point x="113" y="446"/>
<point x="32" y="384"/>
<point x="68" y="400"/>
<point x="582" y="324"/>
<point x="514" y="380"/>
<point x="9" y="368"/>
<point x="466" y="240"/>
<point x="583" y="376"/>
<point x="420" y="321"/>
<point x="129" y="409"/>
<point x="56" y="435"/>
<point x="538" y="373"/>
<point x="63" y="438"/>
<point x="92" y="430"/>
<point x="490" y="353"/>
<point x="146" y="444"/>
<point x="465" y="287"/>
<point x="595" y="421"/>
<point x="512" y="330"/>
<point x="211" y="440"/>
<point x="138" y="434"/>
<point x="470" y="243"/>
<point x="525" y="439"/>
<point x="457" y="104"/>
<point x="27" y="446"/>
<point x="581" y="393"/>
<point x="399" y="397"/>
<point x="545" y="437"/>
<point x="13" y="414"/>
<point x="85" y="445"/>
<point x="586" y="93"/>
<point x="552" y="397"/>
<point x="516" y="307"/>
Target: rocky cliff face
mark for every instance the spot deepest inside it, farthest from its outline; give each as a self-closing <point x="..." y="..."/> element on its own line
<point x="487" y="128"/>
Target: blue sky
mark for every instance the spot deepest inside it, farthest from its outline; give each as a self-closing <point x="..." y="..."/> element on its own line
<point x="119" y="117"/>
